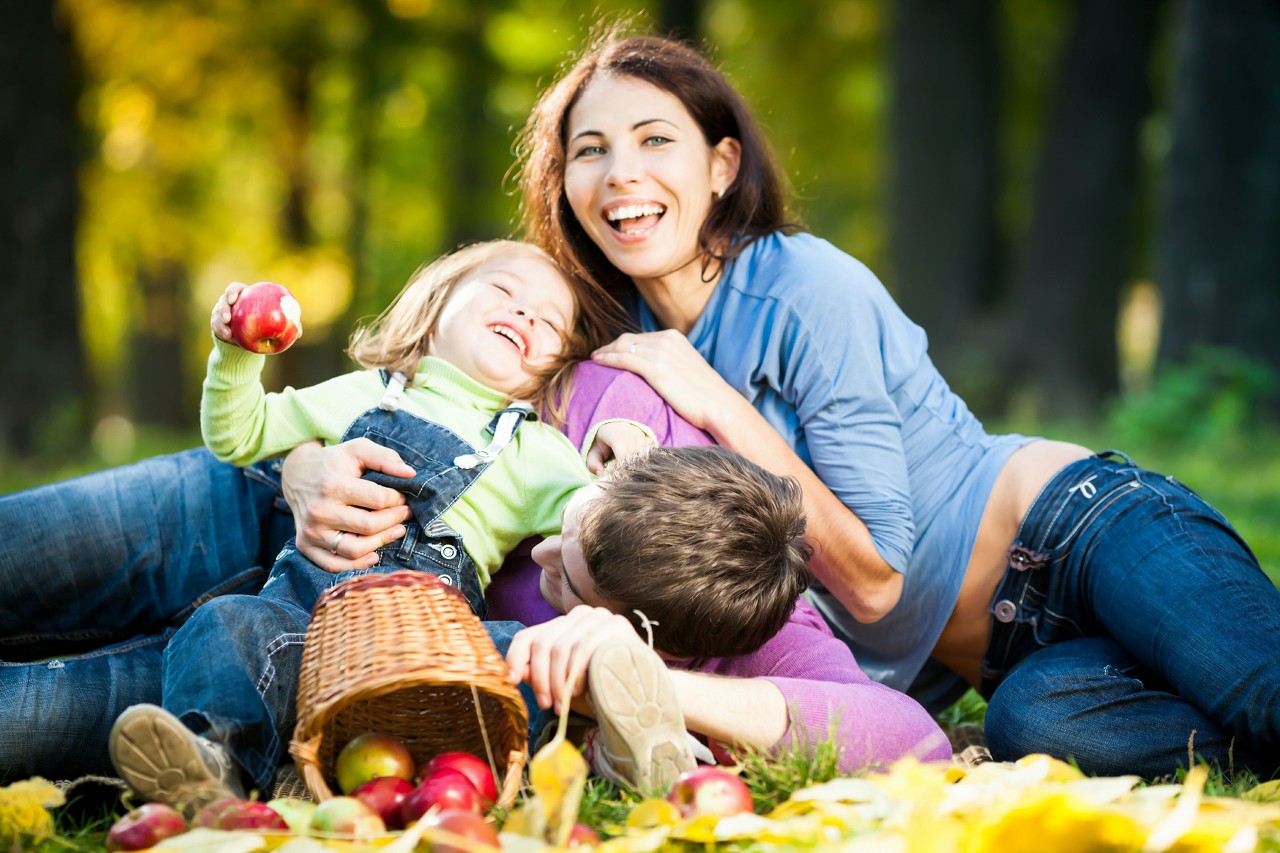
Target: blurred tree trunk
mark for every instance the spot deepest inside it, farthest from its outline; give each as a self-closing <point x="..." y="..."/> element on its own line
<point x="160" y="389"/>
<point x="314" y="359"/>
<point x="44" y="378"/>
<point x="680" y="18"/>
<point x="1219" y="256"/>
<point x="943" y="238"/>
<point x="476" y="143"/>
<point x="1077" y="257"/>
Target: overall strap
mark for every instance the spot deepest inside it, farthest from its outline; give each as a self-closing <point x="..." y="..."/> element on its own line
<point x="503" y="428"/>
<point x="395" y="383"/>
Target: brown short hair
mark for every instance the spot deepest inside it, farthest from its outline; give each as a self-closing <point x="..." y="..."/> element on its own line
<point x="752" y="206"/>
<point x="703" y="542"/>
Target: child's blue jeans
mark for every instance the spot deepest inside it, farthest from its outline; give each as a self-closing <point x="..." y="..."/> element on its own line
<point x="1132" y="626"/>
<point x="231" y="672"/>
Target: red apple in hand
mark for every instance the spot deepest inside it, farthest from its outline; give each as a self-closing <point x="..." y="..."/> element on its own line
<point x="146" y="826"/>
<point x="266" y="318"/>
<point x="385" y="795"/>
<point x="369" y="756"/>
<point x="709" y="790"/>
<point x="465" y="824"/>
<point x="444" y="789"/>
<point x="475" y="769"/>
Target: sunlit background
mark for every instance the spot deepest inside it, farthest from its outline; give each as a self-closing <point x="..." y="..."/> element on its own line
<point x="1065" y="194"/>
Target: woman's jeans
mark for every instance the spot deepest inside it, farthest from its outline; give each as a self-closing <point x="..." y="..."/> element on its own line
<point x="1132" y="628"/>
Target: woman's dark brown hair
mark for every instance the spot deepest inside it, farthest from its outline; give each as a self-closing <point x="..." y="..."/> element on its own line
<point x="752" y="206"/>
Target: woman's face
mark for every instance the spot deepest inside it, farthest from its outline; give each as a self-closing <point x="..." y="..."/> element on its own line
<point x="639" y="176"/>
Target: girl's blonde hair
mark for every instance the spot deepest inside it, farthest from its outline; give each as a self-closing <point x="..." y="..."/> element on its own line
<point x="398" y="338"/>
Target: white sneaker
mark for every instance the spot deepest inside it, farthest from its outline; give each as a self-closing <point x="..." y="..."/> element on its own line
<point x="166" y="762"/>
<point x="642" y="741"/>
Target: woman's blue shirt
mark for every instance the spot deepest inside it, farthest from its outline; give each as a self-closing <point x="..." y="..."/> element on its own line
<point x="818" y="346"/>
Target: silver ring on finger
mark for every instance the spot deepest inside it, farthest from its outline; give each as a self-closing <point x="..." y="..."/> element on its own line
<point x="337" y="540"/>
<point x="632" y="349"/>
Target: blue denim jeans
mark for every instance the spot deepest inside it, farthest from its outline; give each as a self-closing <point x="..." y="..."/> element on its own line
<point x="96" y="576"/>
<point x="96" y="573"/>
<point x="245" y="695"/>
<point x="1132" y="627"/>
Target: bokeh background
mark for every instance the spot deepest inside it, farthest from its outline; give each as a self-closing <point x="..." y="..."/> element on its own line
<point x="1079" y="201"/>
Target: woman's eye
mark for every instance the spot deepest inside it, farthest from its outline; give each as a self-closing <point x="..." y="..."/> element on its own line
<point x="502" y="287"/>
<point x="589" y="151"/>
<point x="656" y="140"/>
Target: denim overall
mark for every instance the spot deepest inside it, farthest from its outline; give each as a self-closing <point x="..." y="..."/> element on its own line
<point x="248" y="702"/>
<point x="446" y="467"/>
<point x="1132" y="624"/>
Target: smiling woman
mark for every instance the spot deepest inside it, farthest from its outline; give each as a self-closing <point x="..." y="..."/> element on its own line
<point x="943" y="555"/>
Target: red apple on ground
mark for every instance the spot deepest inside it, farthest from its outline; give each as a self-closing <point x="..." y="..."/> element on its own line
<point x="295" y="811"/>
<point x="467" y="825"/>
<point x="146" y="826"/>
<point x="249" y="814"/>
<point x="266" y="318"/>
<point x="475" y="769"/>
<point x="209" y="815"/>
<point x="348" y="816"/>
<point x="369" y="756"/>
<point x="385" y="795"/>
<point x="709" y="790"/>
<point x="444" y="789"/>
<point x="582" y="836"/>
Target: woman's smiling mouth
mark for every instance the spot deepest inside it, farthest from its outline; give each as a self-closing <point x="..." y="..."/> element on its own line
<point x="634" y="218"/>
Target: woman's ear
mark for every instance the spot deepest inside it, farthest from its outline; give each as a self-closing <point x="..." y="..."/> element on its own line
<point x="726" y="156"/>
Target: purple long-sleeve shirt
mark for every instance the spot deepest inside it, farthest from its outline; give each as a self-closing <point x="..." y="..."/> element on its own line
<point x="825" y="690"/>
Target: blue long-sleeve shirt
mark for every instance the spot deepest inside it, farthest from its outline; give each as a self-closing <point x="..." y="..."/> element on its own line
<point x="818" y="346"/>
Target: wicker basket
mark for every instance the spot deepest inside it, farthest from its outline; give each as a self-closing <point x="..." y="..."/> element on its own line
<point x="402" y="653"/>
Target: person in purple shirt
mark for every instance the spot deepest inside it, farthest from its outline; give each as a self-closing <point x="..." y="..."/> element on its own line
<point x="801" y="687"/>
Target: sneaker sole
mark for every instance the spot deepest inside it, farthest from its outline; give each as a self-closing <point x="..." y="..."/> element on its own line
<point x="161" y="759"/>
<point x="639" y="715"/>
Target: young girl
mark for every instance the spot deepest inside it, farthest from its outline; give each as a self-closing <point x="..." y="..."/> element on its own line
<point x="486" y="335"/>
<point x="481" y="331"/>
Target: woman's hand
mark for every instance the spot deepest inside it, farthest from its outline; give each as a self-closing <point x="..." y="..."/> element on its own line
<point x="340" y="519"/>
<point x="220" y="318"/>
<point x="553" y="657"/>
<point x="615" y="440"/>
<point x="676" y="370"/>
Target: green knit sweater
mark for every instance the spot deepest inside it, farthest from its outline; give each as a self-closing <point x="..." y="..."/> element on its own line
<point x="522" y="493"/>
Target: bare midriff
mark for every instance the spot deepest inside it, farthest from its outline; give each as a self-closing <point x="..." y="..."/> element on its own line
<point x="964" y="638"/>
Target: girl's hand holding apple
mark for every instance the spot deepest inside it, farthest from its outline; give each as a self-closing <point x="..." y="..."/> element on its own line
<point x="262" y="317"/>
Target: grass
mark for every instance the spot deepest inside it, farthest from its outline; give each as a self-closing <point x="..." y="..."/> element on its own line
<point x="1235" y="469"/>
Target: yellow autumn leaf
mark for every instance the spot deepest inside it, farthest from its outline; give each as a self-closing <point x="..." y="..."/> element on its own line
<point x="24" y="809"/>
<point x="1267" y="792"/>
<point x="1050" y="819"/>
<point x="528" y="819"/>
<point x="557" y="776"/>
<point x="649" y="814"/>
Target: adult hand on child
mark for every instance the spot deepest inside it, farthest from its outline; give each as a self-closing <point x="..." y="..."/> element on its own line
<point x="340" y="519"/>
<point x="553" y="657"/>
<point x="677" y="371"/>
